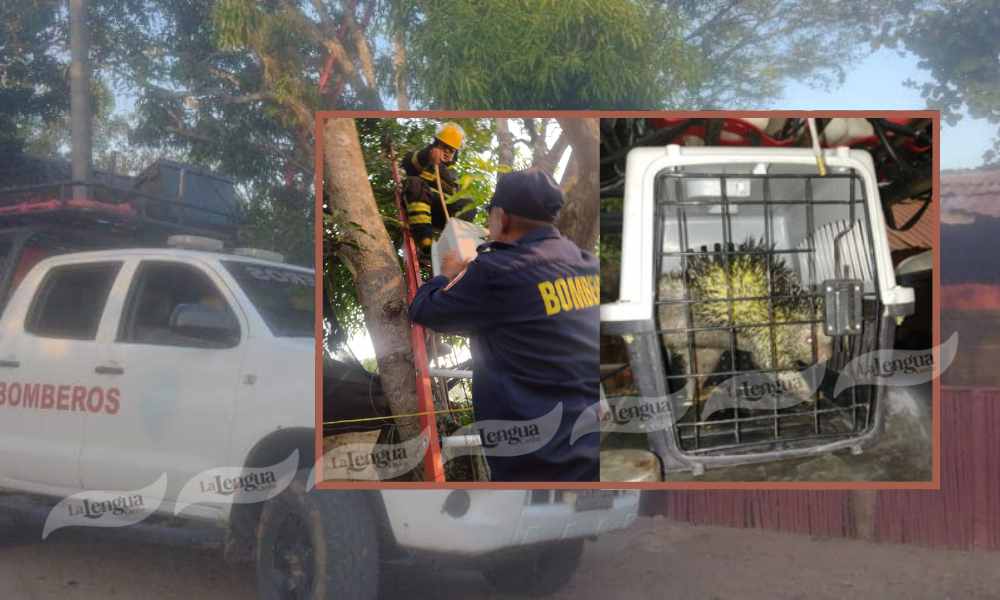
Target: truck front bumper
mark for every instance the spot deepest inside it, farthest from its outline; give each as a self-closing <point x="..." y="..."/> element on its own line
<point x="494" y="520"/>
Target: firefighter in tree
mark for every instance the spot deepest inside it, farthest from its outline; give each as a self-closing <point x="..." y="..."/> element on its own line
<point x="428" y="178"/>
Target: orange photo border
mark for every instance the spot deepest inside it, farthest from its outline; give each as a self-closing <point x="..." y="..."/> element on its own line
<point x="935" y="212"/>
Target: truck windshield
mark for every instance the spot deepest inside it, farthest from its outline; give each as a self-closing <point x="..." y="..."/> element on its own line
<point x="283" y="297"/>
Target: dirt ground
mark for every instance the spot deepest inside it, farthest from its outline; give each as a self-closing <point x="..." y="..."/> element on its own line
<point x="655" y="559"/>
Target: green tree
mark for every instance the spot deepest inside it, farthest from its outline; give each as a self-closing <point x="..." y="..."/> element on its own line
<point x="217" y="103"/>
<point x="565" y="54"/>
<point x="34" y="89"/>
<point x="744" y="51"/>
<point x="957" y="43"/>
<point x="552" y="54"/>
<point x="626" y="53"/>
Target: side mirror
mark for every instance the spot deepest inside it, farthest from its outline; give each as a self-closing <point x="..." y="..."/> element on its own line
<point x="207" y="323"/>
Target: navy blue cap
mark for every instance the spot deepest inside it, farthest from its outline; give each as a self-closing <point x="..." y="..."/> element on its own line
<point x="531" y="193"/>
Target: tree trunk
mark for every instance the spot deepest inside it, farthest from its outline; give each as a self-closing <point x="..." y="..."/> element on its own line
<point x="81" y="117"/>
<point x="505" y="141"/>
<point x="549" y="160"/>
<point x="536" y="128"/>
<point x="368" y="253"/>
<point x="579" y="217"/>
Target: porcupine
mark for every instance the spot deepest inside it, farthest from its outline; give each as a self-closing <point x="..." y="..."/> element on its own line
<point x="748" y="268"/>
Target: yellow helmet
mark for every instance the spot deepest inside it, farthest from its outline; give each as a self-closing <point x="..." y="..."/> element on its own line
<point x="451" y="134"/>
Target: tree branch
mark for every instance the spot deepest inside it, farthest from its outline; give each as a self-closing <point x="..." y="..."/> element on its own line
<point x="712" y="21"/>
<point x="505" y="141"/>
<point x="220" y="95"/>
<point x="550" y="159"/>
<point x="285" y="153"/>
<point x="361" y="49"/>
<point x="399" y="71"/>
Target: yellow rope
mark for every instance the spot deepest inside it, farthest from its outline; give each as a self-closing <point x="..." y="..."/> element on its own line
<point x="444" y="205"/>
<point x="817" y="151"/>
<point x="416" y="414"/>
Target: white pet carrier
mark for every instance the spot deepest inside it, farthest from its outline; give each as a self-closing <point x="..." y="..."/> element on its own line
<point x="744" y="271"/>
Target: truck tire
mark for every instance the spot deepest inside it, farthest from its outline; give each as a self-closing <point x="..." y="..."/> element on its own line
<point x="537" y="571"/>
<point x="20" y="525"/>
<point x="13" y="532"/>
<point x="318" y="545"/>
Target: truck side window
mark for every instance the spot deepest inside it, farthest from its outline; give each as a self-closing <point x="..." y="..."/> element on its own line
<point x="174" y="304"/>
<point x="70" y="301"/>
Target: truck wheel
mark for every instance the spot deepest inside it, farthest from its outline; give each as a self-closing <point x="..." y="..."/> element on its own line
<point x="20" y="526"/>
<point x="11" y="532"/>
<point x="318" y="545"/>
<point x="539" y="571"/>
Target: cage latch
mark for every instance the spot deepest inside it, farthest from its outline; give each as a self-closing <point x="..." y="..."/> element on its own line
<point x="842" y="300"/>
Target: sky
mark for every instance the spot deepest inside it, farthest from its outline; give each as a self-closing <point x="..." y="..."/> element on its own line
<point x="878" y="82"/>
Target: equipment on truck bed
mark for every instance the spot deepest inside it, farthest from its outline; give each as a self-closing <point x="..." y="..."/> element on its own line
<point x="167" y="198"/>
<point x="41" y="216"/>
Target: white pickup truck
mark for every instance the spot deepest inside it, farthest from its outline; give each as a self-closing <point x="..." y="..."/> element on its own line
<point x="120" y="366"/>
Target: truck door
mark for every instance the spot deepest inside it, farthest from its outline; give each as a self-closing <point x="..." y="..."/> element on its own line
<point x="48" y="383"/>
<point x="176" y="358"/>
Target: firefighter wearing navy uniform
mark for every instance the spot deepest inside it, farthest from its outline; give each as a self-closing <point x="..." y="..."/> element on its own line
<point x="530" y="302"/>
<point x="424" y="209"/>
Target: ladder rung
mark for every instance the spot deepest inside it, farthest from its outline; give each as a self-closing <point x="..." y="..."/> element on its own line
<point x="450" y="373"/>
<point x="461" y="441"/>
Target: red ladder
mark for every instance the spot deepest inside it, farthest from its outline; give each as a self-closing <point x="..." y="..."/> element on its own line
<point x="433" y="465"/>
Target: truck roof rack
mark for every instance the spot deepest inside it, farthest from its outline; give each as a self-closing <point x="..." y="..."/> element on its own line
<point x="260" y="254"/>
<point x="112" y="208"/>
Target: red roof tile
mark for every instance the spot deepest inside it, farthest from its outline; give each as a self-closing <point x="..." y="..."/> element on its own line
<point x="920" y="235"/>
<point x="970" y="192"/>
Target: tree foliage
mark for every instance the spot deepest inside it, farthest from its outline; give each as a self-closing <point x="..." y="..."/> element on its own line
<point x="565" y="54"/>
<point x="646" y="54"/>
<point x="34" y="88"/>
<point x="214" y="99"/>
<point x="745" y="51"/>
<point x="551" y="54"/>
<point x="957" y="43"/>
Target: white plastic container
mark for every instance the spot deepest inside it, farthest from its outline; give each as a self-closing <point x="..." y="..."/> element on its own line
<point x="637" y="285"/>
<point x="818" y="231"/>
<point x="459" y="235"/>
